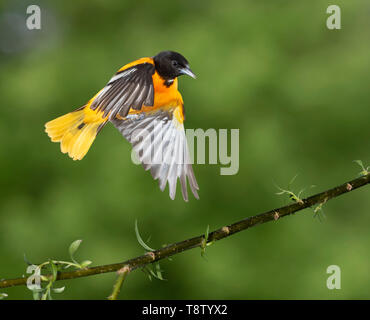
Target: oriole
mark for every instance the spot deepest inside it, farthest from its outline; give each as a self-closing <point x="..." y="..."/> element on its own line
<point x="143" y="102"/>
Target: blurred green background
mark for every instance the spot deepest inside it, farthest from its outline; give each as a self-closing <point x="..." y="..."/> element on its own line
<point x="298" y="92"/>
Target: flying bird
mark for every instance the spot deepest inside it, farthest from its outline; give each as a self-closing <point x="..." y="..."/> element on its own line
<point x="143" y="102"/>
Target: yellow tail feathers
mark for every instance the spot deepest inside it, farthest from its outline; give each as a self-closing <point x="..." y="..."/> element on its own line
<point x="75" y="131"/>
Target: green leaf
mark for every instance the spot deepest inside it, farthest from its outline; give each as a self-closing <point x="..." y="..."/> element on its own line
<point x="146" y="271"/>
<point x="73" y="248"/>
<point x="359" y="162"/>
<point x="3" y="296"/>
<point x="44" y="278"/>
<point x="207" y="234"/>
<point x="59" y="290"/>
<point x="156" y="275"/>
<point x="204" y="243"/>
<point x="365" y="171"/>
<point x="47" y="294"/>
<point x="159" y="271"/>
<point x="85" y="263"/>
<point x="54" y="269"/>
<point x="140" y="240"/>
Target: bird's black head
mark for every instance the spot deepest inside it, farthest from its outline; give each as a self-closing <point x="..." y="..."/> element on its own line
<point x="170" y="65"/>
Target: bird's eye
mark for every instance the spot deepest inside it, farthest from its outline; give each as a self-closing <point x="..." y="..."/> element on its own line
<point x="174" y="63"/>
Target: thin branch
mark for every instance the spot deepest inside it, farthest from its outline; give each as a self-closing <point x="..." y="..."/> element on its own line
<point x="122" y="273"/>
<point x="219" y="234"/>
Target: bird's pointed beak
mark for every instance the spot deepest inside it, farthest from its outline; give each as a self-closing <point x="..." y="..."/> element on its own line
<point x="188" y="72"/>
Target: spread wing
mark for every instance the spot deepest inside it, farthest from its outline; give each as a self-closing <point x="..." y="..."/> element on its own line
<point x="128" y="88"/>
<point x="160" y="144"/>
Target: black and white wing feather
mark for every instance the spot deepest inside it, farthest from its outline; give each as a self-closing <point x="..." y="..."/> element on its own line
<point x="129" y="88"/>
<point x="160" y="144"/>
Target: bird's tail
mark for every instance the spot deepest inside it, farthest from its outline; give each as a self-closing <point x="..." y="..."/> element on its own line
<point x="76" y="131"/>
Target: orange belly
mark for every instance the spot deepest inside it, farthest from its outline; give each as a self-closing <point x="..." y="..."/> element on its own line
<point x="164" y="97"/>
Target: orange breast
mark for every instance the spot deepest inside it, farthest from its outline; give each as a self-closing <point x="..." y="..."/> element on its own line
<point x="165" y="96"/>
